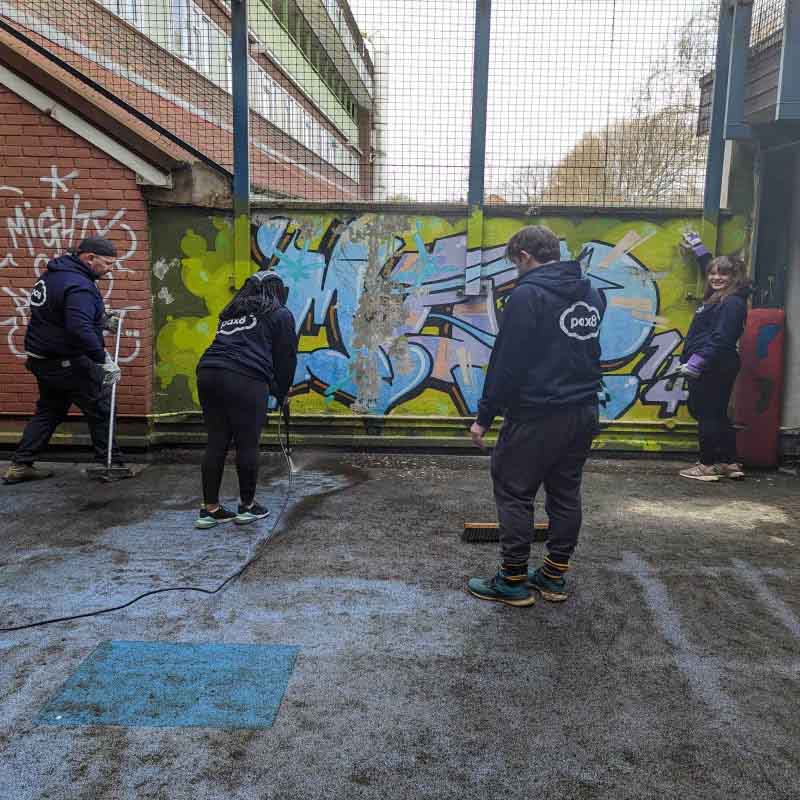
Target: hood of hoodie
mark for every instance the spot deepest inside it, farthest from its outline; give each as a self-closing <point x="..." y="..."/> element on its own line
<point x="70" y="263"/>
<point x="562" y="278"/>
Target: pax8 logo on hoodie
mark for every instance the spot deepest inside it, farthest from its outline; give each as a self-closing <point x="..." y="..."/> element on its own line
<point x="39" y="294"/>
<point x="580" y="321"/>
<point x="229" y="327"/>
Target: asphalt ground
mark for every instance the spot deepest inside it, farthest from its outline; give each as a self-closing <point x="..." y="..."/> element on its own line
<point x="671" y="672"/>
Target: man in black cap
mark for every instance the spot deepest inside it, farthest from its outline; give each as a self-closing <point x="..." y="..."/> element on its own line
<point x="66" y="354"/>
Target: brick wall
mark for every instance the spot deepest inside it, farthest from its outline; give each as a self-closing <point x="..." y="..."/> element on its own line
<point x="56" y="188"/>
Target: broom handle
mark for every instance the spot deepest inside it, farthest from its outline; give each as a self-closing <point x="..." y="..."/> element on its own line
<point x="114" y="394"/>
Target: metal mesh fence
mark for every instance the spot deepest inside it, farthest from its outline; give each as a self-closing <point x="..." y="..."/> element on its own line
<point x="590" y="101"/>
<point x="596" y="102"/>
<point x="768" y="17"/>
<point x="164" y="60"/>
<point x="423" y="53"/>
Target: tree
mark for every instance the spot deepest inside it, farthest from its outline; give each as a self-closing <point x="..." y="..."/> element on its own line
<point x="526" y="186"/>
<point x="650" y="160"/>
<point x="651" y="157"/>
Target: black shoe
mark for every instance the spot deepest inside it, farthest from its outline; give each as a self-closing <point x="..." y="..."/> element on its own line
<point x="250" y="514"/>
<point x="210" y="519"/>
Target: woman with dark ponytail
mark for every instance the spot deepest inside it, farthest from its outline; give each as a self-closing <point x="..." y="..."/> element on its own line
<point x="253" y="354"/>
<point x="710" y="361"/>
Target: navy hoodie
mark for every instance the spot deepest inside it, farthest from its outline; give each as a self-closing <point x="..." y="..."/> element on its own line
<point x="261" y="347"/>
<point x="67" y="312"/>
<point x="547" y="353"/>
<point x="715" y="331"/>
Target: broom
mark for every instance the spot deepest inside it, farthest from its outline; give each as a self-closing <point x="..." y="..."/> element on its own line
<point x="490" y="532"/>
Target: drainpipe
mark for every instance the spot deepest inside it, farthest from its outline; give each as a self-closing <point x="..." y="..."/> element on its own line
<point x="241" y="144"/>
<point x="380" y="188"/>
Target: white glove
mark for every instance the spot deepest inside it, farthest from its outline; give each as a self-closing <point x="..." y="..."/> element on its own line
<point x="688" y="371"/>
<point x="111" y="372"/>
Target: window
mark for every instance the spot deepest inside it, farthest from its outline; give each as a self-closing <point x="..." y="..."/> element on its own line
<point x="228" y="79"/>
<point x="200" y="43"/>
<point x="258" y="94"/>
<point x="270" y="102"/>
<point x="201" y="35"/>
<point x="308" y="131"/>
<point x="296" y="120"/>
<point x="129" y="10"/>
<point x="179" y="22"/>
<point x="287" y="113"/>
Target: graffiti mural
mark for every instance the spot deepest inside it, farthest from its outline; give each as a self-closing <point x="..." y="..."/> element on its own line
<point x="36" y="234"/>
<point x="386" y="324"/>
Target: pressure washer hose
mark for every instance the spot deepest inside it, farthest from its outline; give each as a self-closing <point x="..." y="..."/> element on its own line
<point x="255" y="555"/>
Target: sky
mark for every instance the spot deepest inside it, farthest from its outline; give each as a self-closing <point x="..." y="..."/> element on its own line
<point x="558" y="69"/>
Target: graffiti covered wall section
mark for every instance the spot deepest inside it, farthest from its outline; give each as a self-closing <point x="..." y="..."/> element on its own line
<point x="386" y="324"/>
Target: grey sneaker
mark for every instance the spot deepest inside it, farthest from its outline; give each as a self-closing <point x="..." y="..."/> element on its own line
<point x="702" y="472"/>
<point x="732" y="471"/>
<point x="19" y="473"/>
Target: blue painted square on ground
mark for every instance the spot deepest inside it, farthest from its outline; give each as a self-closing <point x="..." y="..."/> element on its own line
<point x="160" y="684"/>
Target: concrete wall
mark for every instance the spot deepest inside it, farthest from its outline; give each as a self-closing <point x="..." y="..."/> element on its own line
<point x="387" y="326"/>
<point x="55" y="188"/>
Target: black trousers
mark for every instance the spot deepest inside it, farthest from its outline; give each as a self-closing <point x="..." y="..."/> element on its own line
<point x="79" y="384"/>
<point x="234" y="409"/>
<point x="551" y="450"/>
<point x="709" y="397"/>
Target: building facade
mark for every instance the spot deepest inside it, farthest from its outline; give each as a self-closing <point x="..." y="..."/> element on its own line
<point x="311" y="80"/>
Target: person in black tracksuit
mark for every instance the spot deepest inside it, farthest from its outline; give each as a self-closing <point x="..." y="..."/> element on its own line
<point x="66" y="354"/>
<point x="544" y="376"/>
<point x="710" y="361"/>
<point x="254" y="354"/>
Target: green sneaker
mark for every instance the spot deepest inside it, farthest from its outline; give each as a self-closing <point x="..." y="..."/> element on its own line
<point x="552" y="590"/>
<point x="502" y="591"/>
<point x="251" y="513"/>
<point x="210" y="519"/>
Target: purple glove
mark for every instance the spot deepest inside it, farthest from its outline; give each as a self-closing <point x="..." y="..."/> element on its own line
<point x="693" y="368"/>
<point x="692" y="241"/>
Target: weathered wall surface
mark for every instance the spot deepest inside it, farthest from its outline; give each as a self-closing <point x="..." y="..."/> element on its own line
<point x="791" y="393"/>
<point x="385" y="321"/>
<point x="56" y="188"/>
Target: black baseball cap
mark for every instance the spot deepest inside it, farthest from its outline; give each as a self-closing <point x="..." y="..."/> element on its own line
<point x="97" y="245"/>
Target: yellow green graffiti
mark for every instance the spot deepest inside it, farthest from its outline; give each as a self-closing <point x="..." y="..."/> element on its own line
<point x="397" y="314"/>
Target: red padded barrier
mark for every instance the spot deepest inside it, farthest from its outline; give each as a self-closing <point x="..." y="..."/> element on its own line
<point x="759" y="389"/>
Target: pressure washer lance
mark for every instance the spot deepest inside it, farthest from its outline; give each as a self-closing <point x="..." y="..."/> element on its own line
<point x="287" y="421"/>
<point x="110" y="473"/>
